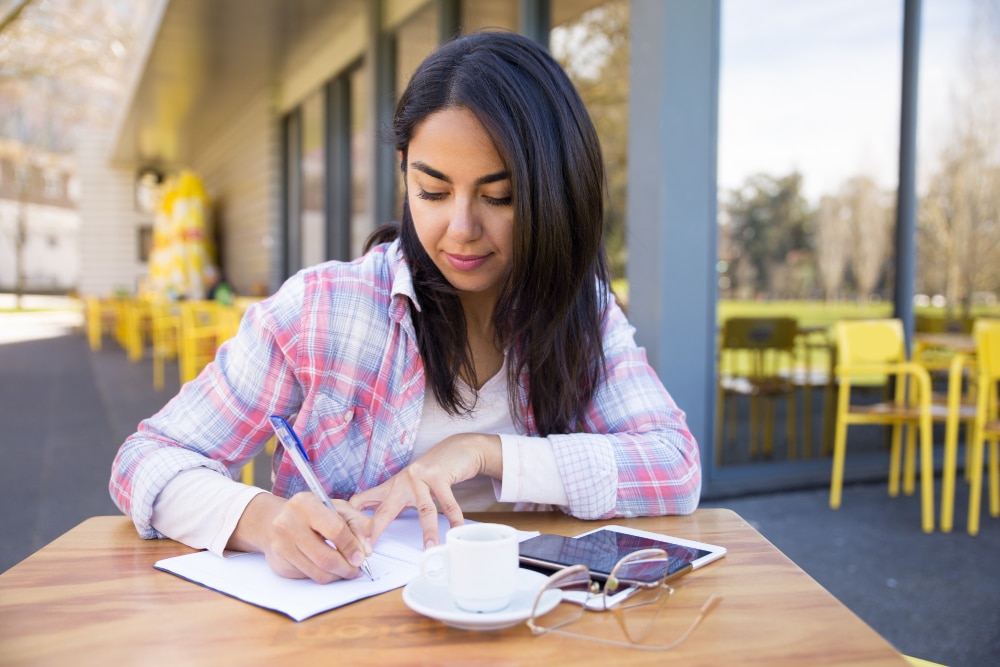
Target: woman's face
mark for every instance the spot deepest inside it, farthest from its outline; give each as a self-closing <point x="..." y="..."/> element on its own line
<point x="460" y="198"/>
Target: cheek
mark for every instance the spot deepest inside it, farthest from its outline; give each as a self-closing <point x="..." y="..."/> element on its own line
<point x="424" y="223"/>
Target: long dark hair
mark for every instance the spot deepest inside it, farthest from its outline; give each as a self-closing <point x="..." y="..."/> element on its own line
<point x="548" y="316"/>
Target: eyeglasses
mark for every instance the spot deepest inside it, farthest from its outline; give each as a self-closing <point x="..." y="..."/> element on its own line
<point x="635" y="592"/>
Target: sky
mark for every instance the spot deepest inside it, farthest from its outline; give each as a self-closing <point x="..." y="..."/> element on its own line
<point x="815" y="86"/>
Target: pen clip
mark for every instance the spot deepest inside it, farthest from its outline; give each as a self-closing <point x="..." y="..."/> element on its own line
<point x="287" y="436"/>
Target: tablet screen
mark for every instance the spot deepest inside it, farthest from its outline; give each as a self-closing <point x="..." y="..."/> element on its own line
<point x="601" y="550"/>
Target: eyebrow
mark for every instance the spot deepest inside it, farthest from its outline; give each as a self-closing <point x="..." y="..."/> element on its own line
<point x="434" y="173"/>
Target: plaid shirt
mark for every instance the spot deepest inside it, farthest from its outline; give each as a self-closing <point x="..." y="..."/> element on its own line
<point x="336" y="347"/>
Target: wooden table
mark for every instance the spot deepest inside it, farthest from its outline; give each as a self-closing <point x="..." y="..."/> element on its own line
<point x="93" y="597"/>
<point x="961" y="347"/>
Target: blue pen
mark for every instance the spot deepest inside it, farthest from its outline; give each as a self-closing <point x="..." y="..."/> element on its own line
<point x="292" y="445"/>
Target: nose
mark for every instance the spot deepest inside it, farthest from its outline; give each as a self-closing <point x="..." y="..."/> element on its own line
<point x="464" y="225"/>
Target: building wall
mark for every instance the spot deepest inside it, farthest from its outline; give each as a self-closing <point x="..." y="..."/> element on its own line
<point x="242" y="175"/>
<point x="50" y="254"/>
<point x="38" y="189"/>
<point x="109" y="242"/>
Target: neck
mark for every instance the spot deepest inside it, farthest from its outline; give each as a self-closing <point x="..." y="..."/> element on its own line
<point x="478" y="309"/>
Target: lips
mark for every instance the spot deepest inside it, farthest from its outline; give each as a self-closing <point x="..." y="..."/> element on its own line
<point x="466" y="262"/>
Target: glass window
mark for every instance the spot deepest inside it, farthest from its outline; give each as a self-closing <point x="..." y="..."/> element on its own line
<point x="593" y="47"/>
<point x="958" y="182"/>
<point x="808" y="112"/>
<point x="808" y="165"/>
<point x="312" y="216"/>
<point x="361" y="146"/>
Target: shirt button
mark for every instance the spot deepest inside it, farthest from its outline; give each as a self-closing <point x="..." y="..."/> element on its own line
<point x="349" y="415"/>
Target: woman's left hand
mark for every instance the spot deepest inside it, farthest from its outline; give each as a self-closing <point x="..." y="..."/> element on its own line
<point x="429" y="478"/>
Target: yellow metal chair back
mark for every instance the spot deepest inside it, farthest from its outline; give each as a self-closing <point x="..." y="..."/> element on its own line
<point x="100" y="315"/>
<point x="876" y="348"/>
<point x="986" y="427"/>
<point x="165" y="324"/>
<point x="199" y="336"/>
<point x="204" y="326"/>
<point x="755" y="355"/>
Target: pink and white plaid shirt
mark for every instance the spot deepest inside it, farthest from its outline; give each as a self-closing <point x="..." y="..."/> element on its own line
<point x="336" y="347"/>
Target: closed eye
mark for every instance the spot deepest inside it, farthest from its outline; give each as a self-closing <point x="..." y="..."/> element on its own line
<point x="431" y="196"/>
<point x="497" y="201"/>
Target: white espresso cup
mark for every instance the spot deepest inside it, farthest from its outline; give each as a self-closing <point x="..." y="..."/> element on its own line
<point x="478" y="562"/>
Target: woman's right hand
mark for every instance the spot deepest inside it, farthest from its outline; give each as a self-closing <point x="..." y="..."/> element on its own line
<point x="295" y="535"/>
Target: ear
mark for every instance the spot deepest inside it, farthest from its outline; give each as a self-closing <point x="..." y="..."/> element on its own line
<point x="402" y="163"/>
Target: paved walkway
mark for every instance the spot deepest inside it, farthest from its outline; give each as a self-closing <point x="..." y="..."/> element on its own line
<point x="64" y="410"/>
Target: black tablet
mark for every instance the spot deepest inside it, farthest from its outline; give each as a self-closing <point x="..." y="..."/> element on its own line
<point x="601" y="549"/>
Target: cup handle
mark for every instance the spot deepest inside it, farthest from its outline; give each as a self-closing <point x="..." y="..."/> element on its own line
<point x="434" y="564"/>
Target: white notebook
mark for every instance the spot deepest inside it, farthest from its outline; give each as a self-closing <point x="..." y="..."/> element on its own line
<point x="246" y="576"/>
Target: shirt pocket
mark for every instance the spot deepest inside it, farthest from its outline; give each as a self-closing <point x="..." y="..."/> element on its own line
<point x="337" y="439"/>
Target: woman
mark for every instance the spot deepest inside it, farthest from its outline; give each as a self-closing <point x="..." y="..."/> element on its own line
<point x="476" y="358"/>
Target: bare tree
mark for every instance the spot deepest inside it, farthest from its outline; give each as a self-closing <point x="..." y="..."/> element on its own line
<point x="832" y="236"/>
<point x="62" y="64"/>
<point x="870" y="221"/>
<point x="960" y="214"/>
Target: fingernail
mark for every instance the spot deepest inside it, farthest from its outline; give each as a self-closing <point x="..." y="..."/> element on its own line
<point x="429" y="543"/>
<point x="357" y="559"/>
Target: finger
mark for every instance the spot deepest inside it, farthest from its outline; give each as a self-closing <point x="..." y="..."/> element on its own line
<point x="450" y="507"/>
<point x="335" y="528"/>
<point x="299" y="550"/>
<point x="369" y="498"/>
<point x="341" y="560"/>
<point x="383" y="516"/>
<point x="427" y="513"/>
<point x="359" y="523"/>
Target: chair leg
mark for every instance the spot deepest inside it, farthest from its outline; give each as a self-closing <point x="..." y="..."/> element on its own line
<point x="828" y="419"/>
<point x="768" y="438"/>
<point x="910" y="461"/>
<point x="792" y="440"/>
<point x="994" y="477"/>
<point x="807" y="433"/>
<point x="895" y="450"/>
<point x="974" y="471"/>
<point x="839" y="447"/>
<point x="720" y="421"/>
<point x="246" y="475"/>
<point x="734" y="405"/>
<point x="927" y="473"/>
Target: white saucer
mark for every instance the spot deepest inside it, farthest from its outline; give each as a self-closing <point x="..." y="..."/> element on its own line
<point x="434" y="601"/>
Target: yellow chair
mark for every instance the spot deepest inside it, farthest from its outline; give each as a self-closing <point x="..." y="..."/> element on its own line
<point x="165" y="324"/>
<point x="986" y="426"/>
<point x="814" y="370"/>
<point x="247" y="474"/>
<point x="229" y="322"/>
<point x="101" y="316"/>
<point x="135" y="326"/>
<point x="876" y="348"/>
<point x="951" y="357"/>
<point x="943" y="324"/>
<point x="755" y="354"/>
<point x="199" y="336"/>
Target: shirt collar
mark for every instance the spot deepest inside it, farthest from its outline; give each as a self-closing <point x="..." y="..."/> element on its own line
<point x="402" y="282"/>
